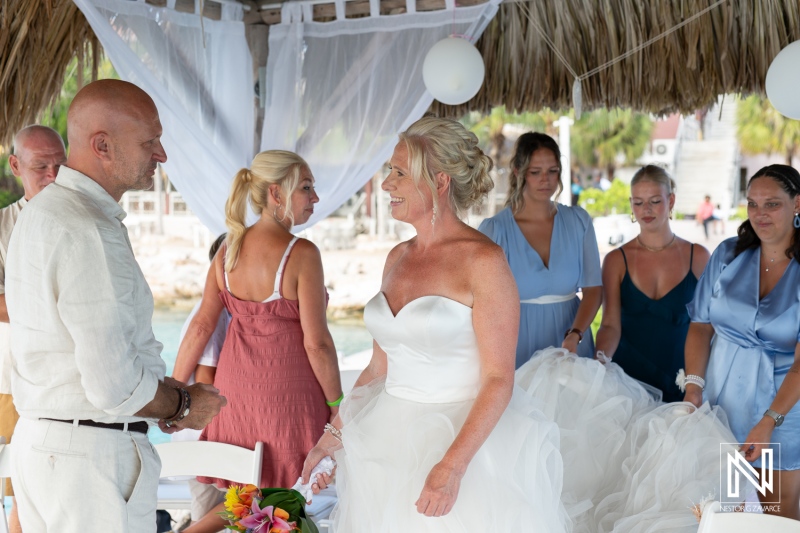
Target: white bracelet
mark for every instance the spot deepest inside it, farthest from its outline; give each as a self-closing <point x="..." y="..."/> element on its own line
<point x="337" y="434"/>
<point x="602" y="357"/>
<point x="682" y="380"/>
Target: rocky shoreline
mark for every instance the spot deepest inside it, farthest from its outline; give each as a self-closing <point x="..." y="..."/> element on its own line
<point x="176" y="271"/>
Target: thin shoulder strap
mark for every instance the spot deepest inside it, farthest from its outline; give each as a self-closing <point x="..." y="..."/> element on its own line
<point x="691" y="256"/>
<point x="624" y="258"/>
<point x="282" y="267"/>
<point x="225" y="272"/>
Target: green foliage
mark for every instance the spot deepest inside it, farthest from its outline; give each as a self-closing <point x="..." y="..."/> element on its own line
<point x="761" y="129"/>
<point x="616" y="200"/>
<point x="598" y="319"/>
<point x="8" y="198"/>
<point x="605" y="138"/>
<point x="740" y="213"/>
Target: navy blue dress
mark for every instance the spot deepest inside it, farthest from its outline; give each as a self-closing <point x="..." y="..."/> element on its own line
<point x="654" y="332"/>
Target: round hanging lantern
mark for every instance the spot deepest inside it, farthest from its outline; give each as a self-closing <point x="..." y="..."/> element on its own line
<point x="783" y="79"/>
<point x="453" y="71"/>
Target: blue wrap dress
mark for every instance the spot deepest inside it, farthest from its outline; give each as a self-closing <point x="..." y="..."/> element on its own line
<point x="574" y="263"/>
<point x="754" y="343"/>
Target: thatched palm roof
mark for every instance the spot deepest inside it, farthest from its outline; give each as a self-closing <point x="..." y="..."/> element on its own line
<point x="38" y="39"/>
<point x="726" y="50"/>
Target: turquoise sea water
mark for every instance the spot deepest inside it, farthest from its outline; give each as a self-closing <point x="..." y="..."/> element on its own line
<point x="349" y="339"/>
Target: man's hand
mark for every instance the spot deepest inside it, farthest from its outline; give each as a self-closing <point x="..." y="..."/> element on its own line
<point x="206" y="403"/>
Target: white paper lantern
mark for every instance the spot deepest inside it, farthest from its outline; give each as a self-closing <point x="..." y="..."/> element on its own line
<point x="453" y="71"/>
<point x="783" y="80"/>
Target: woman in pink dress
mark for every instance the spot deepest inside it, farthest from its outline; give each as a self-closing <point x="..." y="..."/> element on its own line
<point x="278" y="366"/>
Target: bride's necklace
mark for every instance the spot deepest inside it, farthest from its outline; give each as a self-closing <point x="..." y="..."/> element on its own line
<point x="651" y="249"/>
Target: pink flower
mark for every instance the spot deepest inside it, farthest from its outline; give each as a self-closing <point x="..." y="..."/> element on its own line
<point x="271" y="522"/>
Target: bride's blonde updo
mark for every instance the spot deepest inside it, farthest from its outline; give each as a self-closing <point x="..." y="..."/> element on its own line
<point x="442" y="145"/>
<point x="273" y="167"/>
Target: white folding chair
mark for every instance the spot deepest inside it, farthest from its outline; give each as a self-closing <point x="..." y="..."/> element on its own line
<point x="5" y="473"/>
<point x="202" y="458"/>
<point x="713" y="521"/>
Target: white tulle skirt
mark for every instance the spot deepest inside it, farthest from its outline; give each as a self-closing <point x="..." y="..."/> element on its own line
<point x="632" y="464"/>
<point x="390" y="445"/>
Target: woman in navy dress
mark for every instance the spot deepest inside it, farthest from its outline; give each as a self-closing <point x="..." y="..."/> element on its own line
<point x="646" y="285"/>
<point x="552" y="251"/>
<point x="744" y="338"/>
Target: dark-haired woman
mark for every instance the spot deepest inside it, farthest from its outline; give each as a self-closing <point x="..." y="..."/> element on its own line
<point x="748" y="303"/>
<point x="552" y="250"/>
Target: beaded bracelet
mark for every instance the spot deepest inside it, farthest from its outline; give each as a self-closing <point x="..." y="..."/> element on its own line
<point x="336" y="402"/>
<point x="682" y="380"/>
<point x="183" y="409"/>
<point x="337" y="434"/>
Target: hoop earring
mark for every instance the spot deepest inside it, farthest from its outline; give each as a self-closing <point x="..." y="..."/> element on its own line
<point x="433" y="218"/>
<point x="797" y="220"/>
<point x="633" y="219"/>
<point x="275" y="213"/>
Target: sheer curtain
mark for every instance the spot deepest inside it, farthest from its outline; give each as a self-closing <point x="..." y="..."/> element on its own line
<point x="200" y="77"/>
<point x="339" y="92"/>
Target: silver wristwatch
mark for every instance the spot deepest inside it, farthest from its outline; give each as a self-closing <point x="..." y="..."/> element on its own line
<point x="775" y="415"/>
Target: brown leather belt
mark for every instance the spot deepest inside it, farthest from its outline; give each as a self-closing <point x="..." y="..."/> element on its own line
<point x="139" y="427"/>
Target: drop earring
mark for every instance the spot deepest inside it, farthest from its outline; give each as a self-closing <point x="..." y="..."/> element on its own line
<point x="433" y="218"/>
<point x="797" y="220"/>
<point x="670" y="214"/>
<point x="633" y="219"/>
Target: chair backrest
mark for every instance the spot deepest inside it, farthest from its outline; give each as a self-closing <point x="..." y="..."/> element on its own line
<point x="714" y="521"/>
<point x="5" y="465"/>
<point x="212" y="459"/>
<point x="5" y="473"/>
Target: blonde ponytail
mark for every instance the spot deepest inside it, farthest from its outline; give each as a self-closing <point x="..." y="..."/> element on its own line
<point x="273" y="167"/>
<point x="235" y="214"/>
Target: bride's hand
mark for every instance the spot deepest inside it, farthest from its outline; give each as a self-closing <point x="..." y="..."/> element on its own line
<point x="694" y="395"/>
<point x="324" y="448"/>
<point x="440" y="491"/>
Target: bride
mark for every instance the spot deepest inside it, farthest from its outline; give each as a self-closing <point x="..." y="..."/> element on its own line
<point x="434" y="438"/>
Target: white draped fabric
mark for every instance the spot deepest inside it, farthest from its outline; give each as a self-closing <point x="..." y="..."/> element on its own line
<point x="339" y="92"/>
<point x="200" y="78"/>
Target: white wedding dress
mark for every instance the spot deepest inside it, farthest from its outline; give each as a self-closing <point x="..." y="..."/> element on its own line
<point x="632" y="464"/>
<point x="395" y="430"/>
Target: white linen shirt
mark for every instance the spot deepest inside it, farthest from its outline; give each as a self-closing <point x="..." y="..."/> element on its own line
<point x="8" y="218"/>
<point x="81" y="311"/>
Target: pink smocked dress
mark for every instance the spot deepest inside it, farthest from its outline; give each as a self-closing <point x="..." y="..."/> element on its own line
<point x="273" y="395"/>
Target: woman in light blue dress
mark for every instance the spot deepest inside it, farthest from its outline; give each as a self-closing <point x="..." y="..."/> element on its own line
<point x="552" y="251"/>
<point x="744" y="338"/>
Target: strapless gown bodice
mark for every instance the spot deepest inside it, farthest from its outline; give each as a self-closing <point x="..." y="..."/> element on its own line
<point x="397" y="428"/>
<point x="430" y="346"/>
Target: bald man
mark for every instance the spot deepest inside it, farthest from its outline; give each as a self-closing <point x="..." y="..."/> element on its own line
<point x="88" y="373"/>
<point x="38" y="153"/>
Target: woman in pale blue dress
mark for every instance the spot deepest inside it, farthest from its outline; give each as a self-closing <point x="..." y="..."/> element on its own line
<point x="552" y="251"/>
<point x="744" y="338"/>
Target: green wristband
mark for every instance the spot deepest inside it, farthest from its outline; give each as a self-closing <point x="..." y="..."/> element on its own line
<point x="336" y="402"/>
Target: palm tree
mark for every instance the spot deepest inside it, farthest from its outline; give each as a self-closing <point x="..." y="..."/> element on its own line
<point x="605" y="138"/>
<point x="761" y="129"/>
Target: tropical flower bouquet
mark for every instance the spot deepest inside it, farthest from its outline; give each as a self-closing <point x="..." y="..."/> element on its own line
<point x="253" y="510"/>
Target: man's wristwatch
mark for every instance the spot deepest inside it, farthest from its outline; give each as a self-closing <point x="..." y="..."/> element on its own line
<point x="775" y="415"/>
<point x="576" y="331"/>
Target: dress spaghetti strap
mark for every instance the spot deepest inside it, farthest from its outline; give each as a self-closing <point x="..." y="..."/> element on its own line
<point x="624" y="258"/>
<point x="691" y="256"/>
<point x="282" y="269"/>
